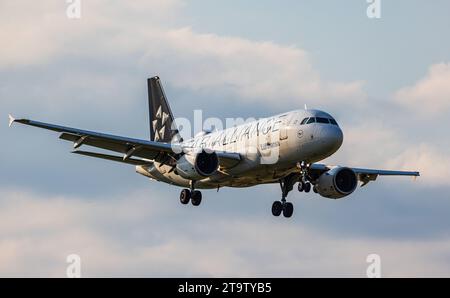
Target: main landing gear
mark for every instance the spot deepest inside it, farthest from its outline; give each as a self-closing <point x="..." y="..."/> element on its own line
<point x="287" y="208"/>
<point x="195" y="196"/>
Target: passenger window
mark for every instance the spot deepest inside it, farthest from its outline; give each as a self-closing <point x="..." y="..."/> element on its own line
<point x="304" y="121"/>
<point x="322" y="120"/>
<point x="311" y="120"/>
<point x="332" y="121"/>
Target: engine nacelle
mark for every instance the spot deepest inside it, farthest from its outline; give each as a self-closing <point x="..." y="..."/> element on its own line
<point x="196" y="166"/>
<point x="337" y="183"/>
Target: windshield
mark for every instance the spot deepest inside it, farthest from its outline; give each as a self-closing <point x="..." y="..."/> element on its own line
<point x="309" y="120"/>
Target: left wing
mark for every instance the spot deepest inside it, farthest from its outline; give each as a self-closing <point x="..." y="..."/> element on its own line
<point x="364" y="175"/>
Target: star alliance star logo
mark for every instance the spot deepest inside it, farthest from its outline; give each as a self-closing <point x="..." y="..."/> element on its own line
<point x="160" y="130"/>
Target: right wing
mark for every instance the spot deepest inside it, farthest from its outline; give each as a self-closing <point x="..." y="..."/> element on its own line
<point x="127" y="146"/>
<point x="147" y="151"/>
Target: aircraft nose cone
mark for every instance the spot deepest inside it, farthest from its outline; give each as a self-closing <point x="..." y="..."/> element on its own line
<point x="332" y="137"/>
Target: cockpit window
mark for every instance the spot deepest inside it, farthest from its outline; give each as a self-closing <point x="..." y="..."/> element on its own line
<point x="322" y="120"/>
<point x="309" y="120"/>
<point x="332" y="121"/>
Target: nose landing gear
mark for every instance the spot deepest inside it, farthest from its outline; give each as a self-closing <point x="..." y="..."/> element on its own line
<point x="287" y="184"/>
<point x="303" y="184"/>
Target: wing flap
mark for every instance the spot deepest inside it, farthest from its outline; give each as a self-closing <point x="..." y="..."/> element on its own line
<point x="123" y="148"/>
<point x="112" y="145"/>
<point x="131" y="161"/>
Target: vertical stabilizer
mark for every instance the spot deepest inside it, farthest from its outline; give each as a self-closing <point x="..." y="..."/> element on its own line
<point x="161" y="117"/>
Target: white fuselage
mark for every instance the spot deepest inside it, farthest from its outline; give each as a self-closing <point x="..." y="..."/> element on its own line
<point x="270" y="148"/>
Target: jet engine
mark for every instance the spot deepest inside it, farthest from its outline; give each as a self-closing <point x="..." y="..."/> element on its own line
<point x="196" y="166"/>
<point x="337" y="183"/>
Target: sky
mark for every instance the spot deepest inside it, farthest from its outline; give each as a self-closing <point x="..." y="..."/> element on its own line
<point x="386" y="80"/>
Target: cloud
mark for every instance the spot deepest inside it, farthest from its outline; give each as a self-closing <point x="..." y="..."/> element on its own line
<point x="139" y="37"/>
<point x="378" y="145"/>
<point x="382" y="145"/>
<point x="256" y="71"/>
<point x="36" y="34"/>
<point x="132" y="236"/>
<point x="431" y="94"/>
<point x="362" y="136"/>
<point x="432" y="163"/>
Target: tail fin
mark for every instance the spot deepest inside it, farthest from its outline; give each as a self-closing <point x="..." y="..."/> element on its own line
<point x="161" y="117"/>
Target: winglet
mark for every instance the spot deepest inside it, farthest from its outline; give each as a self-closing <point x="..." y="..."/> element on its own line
<point x="11" y="120"/>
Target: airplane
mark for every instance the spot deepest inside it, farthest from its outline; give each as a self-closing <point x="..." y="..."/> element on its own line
<point x="283" y="149"/>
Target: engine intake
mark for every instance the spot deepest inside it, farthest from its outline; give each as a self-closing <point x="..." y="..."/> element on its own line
<point x="337" y="183"/>
<point x="196" y="166"/>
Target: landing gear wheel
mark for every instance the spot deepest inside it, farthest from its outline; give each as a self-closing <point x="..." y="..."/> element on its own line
<point x="307" y="187"/>
<point x="288" y="209"/>
<point x="185" y="196"/>
<point x="315" y="189"/>
<point x="277" y="208"/>
<point x="196" y="197"/>
<point x="287" y="184"/>
<point x="301" y="186"/>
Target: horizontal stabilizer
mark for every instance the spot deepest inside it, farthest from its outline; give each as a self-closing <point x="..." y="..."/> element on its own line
<point x="132" y="161"/>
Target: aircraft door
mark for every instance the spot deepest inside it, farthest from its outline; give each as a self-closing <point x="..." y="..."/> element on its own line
<point x="283" y="129"/>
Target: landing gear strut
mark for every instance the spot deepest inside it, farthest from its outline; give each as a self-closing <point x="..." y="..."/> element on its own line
<point x="278" y="207"/>
<point x="195" y="196"/>
<point x="303" y="184"/>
